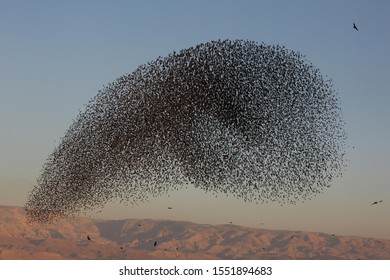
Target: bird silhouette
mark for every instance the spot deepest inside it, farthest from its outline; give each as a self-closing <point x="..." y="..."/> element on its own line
<point x="169" y="207"/>
<point x="155" y="243"/>
<point x="88" y="238"/>
<point x="376" y="202"/>
<point x="354" y="27"/>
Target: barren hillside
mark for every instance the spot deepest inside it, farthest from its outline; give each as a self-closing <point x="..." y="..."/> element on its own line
<point x="163" y="239"/>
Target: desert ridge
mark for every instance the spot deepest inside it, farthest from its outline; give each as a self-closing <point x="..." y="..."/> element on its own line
<point x="94" y="239"/>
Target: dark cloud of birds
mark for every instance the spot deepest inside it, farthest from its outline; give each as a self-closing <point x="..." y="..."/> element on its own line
<point x="255" y="121"/>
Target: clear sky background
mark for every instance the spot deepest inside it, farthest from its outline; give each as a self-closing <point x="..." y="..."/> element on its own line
<point x="56" y="55"/>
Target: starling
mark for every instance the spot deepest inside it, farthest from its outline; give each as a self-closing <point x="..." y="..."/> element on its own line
<point x="377" y="202"/>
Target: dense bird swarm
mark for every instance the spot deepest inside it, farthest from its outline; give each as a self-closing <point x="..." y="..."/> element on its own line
<point x="236" y="117"/>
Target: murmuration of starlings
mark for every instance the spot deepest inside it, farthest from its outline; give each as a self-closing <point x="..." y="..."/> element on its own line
<point x="255" y="121"/>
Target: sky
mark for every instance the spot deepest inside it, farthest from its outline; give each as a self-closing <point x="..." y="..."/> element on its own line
<point x="56" y="55"/>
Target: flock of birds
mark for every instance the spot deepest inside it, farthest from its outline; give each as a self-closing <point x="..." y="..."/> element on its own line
<point x="252" y="120"/>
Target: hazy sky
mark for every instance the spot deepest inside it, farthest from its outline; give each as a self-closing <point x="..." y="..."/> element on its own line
<point x="56" y="55"/>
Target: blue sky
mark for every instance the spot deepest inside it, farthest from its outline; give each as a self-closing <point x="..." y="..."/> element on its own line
<point x="56" y="55"/>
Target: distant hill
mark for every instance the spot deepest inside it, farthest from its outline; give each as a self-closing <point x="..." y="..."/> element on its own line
<point x="135" y="239"/>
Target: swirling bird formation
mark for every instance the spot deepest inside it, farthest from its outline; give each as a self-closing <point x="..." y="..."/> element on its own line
<point x="252" y="120"/>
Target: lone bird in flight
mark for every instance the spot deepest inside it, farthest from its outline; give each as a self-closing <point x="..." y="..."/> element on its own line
<point x="155" y="243"/>
<point x="354" y="27"/>
<point x="169" y="207"/>
<point x="377" y="202"/>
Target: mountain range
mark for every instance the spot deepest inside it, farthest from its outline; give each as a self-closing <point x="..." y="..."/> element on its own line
<point x="142" y="239"/>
